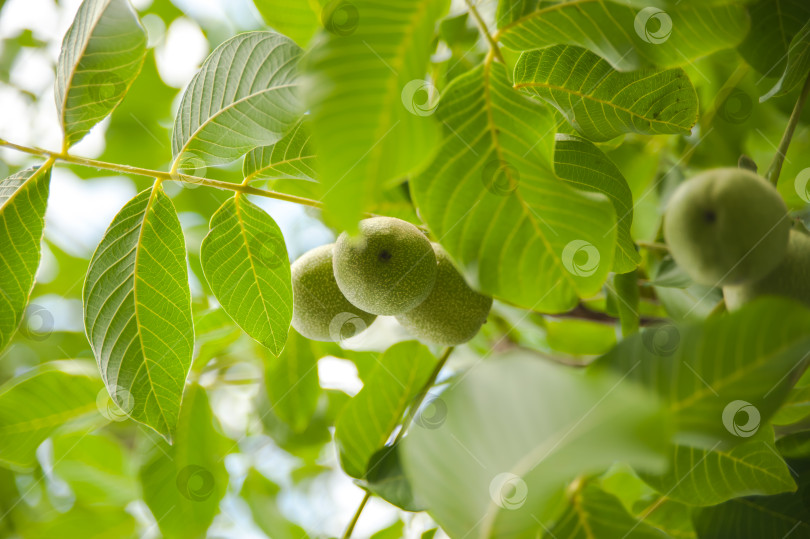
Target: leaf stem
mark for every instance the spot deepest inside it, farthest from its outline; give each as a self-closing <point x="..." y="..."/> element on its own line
<point x="420" y="397"/>
<point x="492" y="43"/>
<point x="776" y="165"/>
<point x="653" y="246"/>
<point x="159" y="175"/>
<point x="350" y="527"/>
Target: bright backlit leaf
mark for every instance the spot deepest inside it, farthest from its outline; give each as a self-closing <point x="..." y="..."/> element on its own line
<point x="137" y="310"/>
<point x="23" y="200"/>
<point x="245" y="261"/>
<point x="101" y="55"/>
<point x="243" y="97"/>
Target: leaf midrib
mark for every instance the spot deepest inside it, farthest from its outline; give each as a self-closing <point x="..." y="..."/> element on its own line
<point x="589" y="97"/>
<point x="152" y="196"/>
<point x="243" y="233"/>
<point x="239" y="101"/>
<point x="528" y="213"/>
<point x="74" y="69"/>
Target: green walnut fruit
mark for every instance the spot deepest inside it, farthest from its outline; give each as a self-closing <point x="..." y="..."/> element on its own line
<point x="388" y="269"/>
<point x="726" y="226"/>
<point x="320" y="310"/>
<point x="791" y="278"/>
<point x="453" y="312"/>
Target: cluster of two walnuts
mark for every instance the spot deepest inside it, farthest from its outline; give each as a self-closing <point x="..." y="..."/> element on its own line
<point x="391" y="269"/>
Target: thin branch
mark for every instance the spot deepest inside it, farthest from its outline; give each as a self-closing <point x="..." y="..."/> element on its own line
<point x="779" y="158"/>
<point x="350" y="527"/>
<point x="417" y="402"/>
<point x="159" y="175"/>
<point x="492" y="43"/>
<point x="653" y="246"/>
<point x="581" y="312"/>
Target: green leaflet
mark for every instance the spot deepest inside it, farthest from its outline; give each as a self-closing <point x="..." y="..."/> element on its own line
<point x="23" y="200"/>
<point x="291" y="157"/>
<point x="710" y="477"/>
<point x="137" y="310"/>
<point x="499" y="463"/>
<point x="244" y="96"/>
<point x="54" y="395"/>
<point x="582" y="165"/>
<point x="245" y="261"/>
<point x="754" y="517"/>
<point x="183" y="484"/>
<point x="101" y="56"/>
<point x="592" y="512"/>
<point x="723" y="377"/>
<point x="492" y="200"/>
<point x="363" y="82"/>
<point x="368" y="420"/>
<point x="631" y="37"/>
<point x="602" y="103"/>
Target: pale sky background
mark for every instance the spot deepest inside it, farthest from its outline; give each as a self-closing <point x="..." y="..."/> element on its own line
<point x="79" y="212"/>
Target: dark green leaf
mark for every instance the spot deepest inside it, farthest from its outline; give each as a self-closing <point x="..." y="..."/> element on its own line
<point x="592" y="512"/>
<point x="773" y="25"/>
<point x="602" y="103"/>
<point x="709" y="477"/>
<point x="721" y="378"/>
<point x="797" y="67"/>
<point x="582" y="165"/>
<point x="368" y="420"/>
<point x="630" y="37"/>
<point x="387" y="480"/>
<point x="490" y="196"/>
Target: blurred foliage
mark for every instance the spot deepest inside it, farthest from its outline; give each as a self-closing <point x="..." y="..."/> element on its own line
<point x="256" y="452"/>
